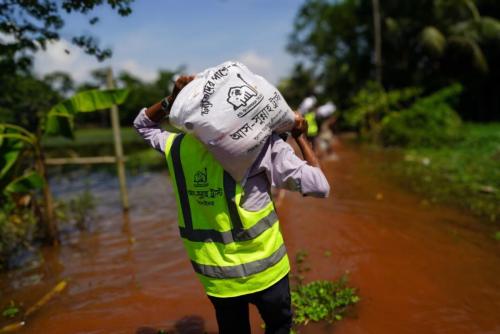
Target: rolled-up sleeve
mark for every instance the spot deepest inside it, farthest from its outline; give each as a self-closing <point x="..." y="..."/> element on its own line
<point x="287" y="171"/>
<point x="151" y="131"/>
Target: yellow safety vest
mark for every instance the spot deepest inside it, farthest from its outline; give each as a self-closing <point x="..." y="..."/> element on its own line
<point x="233" y="251"/>
<point x="312" y="125"/>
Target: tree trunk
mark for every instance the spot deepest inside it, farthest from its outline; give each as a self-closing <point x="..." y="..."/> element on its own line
<point x="48" y="203"/>
<point x="377" y="37"/>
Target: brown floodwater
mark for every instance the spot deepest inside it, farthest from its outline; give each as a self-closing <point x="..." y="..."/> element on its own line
<point x="419" y="268"/>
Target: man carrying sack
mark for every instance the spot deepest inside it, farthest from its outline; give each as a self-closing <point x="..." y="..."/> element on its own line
<point x="230" y="229"/>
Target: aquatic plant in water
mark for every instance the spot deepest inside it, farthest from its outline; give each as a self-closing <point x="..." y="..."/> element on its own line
<point x="320" y="300"/>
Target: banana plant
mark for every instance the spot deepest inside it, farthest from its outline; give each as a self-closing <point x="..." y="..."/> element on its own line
<point x="19" y="175"/>
<point x="13" y="140"/>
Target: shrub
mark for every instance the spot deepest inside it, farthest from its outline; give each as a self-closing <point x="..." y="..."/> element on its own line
<point x="429" y="122"/>
<point x="371" y="103"/>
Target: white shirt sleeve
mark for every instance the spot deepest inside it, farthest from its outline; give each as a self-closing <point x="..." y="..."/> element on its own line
<point x="150" y="131"/>
<point x="286" y="170"/>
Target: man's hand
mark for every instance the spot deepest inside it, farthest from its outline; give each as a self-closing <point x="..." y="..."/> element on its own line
<point x="300" y="126"/>
<point x="298" y="132"/>
<point x="156" y="112"/>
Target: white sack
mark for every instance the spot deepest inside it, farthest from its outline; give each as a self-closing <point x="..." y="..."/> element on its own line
<point x="307" y="104"/>
<point x="233" y="112"/>
<point x="326" y="110"/>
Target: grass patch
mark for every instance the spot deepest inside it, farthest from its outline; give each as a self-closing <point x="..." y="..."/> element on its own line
<point x="99" y="141"/>
<point x="465" y="173"/>
<point x="146" y="160"/>
<point x="93" y="142"/>
<point x="93" y="136"/>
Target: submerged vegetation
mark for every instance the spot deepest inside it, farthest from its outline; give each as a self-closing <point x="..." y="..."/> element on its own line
<point x="320" y="300"/>
<point x="26" y="202"/>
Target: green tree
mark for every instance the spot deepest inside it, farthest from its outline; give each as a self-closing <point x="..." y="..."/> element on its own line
<point x="466" y="35"/>
<point x="25" y="100"/>
<point x="61" y="82"/>
<point x="335" y="37"/>
<point x="427" y="43"/>
<point x="377" y="39"/>
<point x="300" y="84"/>
<point x="143" y="94"/>
<point x="28" y="26"/>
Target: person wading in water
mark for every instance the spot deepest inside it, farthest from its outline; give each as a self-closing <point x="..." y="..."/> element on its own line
<point x="231" y="230"/>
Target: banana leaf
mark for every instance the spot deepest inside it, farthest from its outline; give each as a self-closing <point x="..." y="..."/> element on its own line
<point x="26" y="183"/>
<point x="9" y="153"/>
<point x="60" y="126"/>
<point x="60" y="119"/>
<point x="12" y="138"/>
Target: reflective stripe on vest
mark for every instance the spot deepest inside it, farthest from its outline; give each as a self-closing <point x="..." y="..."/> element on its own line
<point x="214" y="253"/>
<point x="242" y="270"/>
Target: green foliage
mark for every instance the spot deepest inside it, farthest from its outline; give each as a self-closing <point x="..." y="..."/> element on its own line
<point x="18" y="229"/>
<point x="77" y="210"/>
<point x="25" y="101"/>
<point x="25" y="183"/>
<point x="99" y="141"/>
<point x="21" y="154"/>
<point x="319" y="300"/>
<point x="12" y="146"/>
<point x="145" y="93"/>
<point x="429" y="122"/>
<point x="466" y="34"/>
<point x="60" y="119"/>
<point x="300" y="84"/>
<point x="464" y="173"/>
<point x="425" y="44"/>
<point x="372" y="103"/>
<point x="32" y="24"/>
<point x="322" y="300"/>
<point x="145" y="160"/>
<point x="11" y="310"/>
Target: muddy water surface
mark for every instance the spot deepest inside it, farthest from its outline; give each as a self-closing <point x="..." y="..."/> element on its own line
<point x="419" y="268"/>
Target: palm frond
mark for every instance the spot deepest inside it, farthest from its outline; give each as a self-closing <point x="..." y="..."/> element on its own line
<point x="468" y="29"/>
<point x="433" y="40"/>
<point x="470" y="48"/>
<point x="490" y="28"/>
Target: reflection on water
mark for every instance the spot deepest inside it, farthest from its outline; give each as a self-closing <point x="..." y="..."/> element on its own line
<point x="419" y="269"/>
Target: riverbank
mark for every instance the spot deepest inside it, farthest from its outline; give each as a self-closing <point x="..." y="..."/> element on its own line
<point x="465" y="174"/>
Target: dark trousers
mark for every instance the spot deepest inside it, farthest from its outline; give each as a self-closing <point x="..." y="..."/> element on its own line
<point x="273" y="304"/>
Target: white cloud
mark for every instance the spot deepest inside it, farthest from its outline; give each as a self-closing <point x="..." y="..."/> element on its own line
<point x="259" y="64"/>
<point x="136" y="69"/>
<point x="63" y="56"/>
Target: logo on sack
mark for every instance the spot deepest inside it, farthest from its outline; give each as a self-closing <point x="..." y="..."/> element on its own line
<point x="239" y="96"/>
<point x="200" y="178"/>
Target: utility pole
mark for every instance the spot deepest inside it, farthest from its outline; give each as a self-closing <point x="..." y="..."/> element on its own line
<point x="117" y="139"/>
<point x="377" y="37"/>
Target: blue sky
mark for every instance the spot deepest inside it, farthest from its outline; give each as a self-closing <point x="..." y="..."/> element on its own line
<point x="168" y="33"/>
